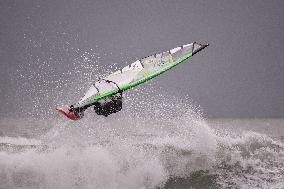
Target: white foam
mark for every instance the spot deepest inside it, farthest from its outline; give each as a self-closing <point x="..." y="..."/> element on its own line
<point x="122" y="151"/>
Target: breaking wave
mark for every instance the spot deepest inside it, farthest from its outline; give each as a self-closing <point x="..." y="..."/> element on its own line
<point x="157" y="141"/>
<point x="159" y="148"/>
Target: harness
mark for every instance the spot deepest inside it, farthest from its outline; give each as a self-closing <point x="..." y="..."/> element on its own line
<point x="109" y="81"/>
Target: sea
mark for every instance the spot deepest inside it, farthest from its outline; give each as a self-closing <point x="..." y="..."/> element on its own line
<point x="159" y="146"/>
<point x="158" y="140"/>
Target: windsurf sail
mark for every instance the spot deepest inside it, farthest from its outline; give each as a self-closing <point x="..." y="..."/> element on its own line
<point x="138" y="72"/>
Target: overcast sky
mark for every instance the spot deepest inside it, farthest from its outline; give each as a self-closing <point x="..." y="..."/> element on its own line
<point x="241" y="73"/>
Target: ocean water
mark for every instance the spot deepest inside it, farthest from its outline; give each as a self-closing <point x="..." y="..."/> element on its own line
<point x="158" y="140"/>
<point x="163" y="146"/>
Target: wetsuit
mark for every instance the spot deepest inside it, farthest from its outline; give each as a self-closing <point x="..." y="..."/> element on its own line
<point x="109" y="106"/>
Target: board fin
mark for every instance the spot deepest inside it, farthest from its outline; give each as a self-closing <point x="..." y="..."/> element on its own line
<point x="66" y="112"/>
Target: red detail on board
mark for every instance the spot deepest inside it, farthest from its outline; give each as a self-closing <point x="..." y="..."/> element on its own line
<point x="66" y="111"/>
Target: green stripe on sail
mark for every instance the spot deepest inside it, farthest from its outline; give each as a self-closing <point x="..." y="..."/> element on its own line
<point x="133" y="84"/>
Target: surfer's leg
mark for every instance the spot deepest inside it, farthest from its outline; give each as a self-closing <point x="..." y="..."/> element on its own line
<point x="107" y="108"/>
<point x="119" y="104"/>
<point x="98" y="108"/>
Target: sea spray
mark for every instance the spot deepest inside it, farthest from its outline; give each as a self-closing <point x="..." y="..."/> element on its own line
<point x="121" y="151"/>
<point x="156" y="141"/>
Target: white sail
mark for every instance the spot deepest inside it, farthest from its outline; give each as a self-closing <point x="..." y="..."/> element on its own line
<point x="139" y="72"/>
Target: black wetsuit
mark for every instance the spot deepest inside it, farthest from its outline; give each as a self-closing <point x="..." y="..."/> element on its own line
<point x="109" y="107"/>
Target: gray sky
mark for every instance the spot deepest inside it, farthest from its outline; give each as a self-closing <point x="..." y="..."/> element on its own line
<point x="241" y="73"/>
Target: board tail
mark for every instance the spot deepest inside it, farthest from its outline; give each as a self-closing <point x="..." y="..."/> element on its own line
<point x="70" y="114"/>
